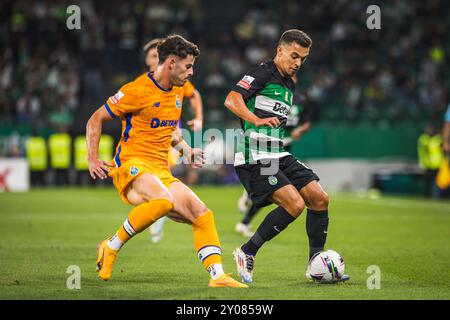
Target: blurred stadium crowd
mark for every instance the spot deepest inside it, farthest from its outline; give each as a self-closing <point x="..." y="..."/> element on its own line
<point x="52" y="78"/>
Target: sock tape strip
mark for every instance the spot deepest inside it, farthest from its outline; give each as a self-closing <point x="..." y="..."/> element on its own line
<point x="129" y="228"/>
<point x="207" y="251"/>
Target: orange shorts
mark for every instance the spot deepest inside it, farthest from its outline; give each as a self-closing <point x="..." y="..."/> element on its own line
<point x="173" y="157"/>
<point x="129" y="170"/>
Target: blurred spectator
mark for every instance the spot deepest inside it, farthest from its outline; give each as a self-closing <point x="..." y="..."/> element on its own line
<point x="28" y="108"/>
<point x="61" y="118"/>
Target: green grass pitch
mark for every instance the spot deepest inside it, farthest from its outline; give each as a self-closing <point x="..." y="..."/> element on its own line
<point x="45" y="231"/>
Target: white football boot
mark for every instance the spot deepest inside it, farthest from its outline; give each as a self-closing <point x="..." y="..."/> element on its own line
<point x="244" y="264"/>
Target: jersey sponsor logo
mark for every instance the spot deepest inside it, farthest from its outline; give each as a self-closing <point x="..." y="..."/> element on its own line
<point x="134" y="170"/>
<point x="115" y="98"/>
<point x="272" y="106"/>
<point x="246" y="82"/>
<point x="156" y="123"/>
<point x="278" y="107"/>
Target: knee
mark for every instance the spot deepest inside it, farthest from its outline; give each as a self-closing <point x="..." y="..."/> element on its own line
<point x="199" y="210"/>
<point x="320" y="202"/>
<point x="296" y="207"/>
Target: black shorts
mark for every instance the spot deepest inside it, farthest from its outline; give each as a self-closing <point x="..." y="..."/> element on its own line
<point x="260" y="185"/>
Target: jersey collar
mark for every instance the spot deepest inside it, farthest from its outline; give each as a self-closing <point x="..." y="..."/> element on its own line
<point x="157" y="84"/>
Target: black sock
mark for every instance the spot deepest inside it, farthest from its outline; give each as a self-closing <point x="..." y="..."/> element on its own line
<point x="316" y="228"/>
<point x="275" y="222"/>
<point x="250" y="214"/>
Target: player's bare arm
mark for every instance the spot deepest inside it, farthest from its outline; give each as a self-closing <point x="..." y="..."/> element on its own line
<point x="235" y="103"/>
<point x="297" y="132"/>
<point x="97" y="168"/>
<point x="195" y="155"/>
<point x="196" y="104"/>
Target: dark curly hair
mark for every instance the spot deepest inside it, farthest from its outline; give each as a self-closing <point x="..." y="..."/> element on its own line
<point x="176" y="45"/>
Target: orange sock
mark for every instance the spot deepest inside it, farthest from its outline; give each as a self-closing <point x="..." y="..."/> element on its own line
<point x="206" y="240"/>
<point x="142" y="216"/>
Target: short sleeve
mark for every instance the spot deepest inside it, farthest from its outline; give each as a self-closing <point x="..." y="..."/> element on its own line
<point x="188" y="89"/>
<point x="252" y="82"/>
<point x="126" y="100"/>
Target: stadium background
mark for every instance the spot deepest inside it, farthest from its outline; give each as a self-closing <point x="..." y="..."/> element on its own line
<point x="372" y="93"/>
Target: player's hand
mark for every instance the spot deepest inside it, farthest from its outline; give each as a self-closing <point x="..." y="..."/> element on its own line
<point x="196" y="158"/>
<point x="296" y="133"/>
<point x="195" y="124"/>
<point x="99" y="168"/>
<point x="272" y="122"/>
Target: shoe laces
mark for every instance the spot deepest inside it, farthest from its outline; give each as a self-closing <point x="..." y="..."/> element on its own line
<point x="250" y="261"/>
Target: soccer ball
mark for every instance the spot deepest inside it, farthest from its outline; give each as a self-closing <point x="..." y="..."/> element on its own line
<point x="326" y="267"/>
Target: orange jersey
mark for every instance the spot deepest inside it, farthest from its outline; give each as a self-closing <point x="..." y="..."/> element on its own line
<point x="188" y="87"/>
<point x="150" y="115"/>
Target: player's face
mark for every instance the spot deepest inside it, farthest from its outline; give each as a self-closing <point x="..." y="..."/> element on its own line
<point x="291" y="57"/>
<point x="182" y="70"/>
<point x="152" y="59"/>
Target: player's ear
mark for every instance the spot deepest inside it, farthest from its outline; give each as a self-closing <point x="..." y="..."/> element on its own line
<point x="172" y="62"/>
<point x="279" y="49"/>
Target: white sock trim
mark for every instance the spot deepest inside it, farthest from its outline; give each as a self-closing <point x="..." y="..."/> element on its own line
<point x="115" y="243"/>
<point x="215" y="270"/>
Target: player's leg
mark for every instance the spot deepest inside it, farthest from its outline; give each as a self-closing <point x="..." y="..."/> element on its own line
<point x="290" y="206"/>
<point x="249" y="209"/>
<point x="316" y="200"/>
<point x="152" y="200"/>
<point x="243" y="227"/>
<point x="206" y="240"/>
<point x="244" y="202"/>
<point x="157" y="230"/>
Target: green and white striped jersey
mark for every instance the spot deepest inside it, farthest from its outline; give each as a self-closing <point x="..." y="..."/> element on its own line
<point x="267" y="94"/>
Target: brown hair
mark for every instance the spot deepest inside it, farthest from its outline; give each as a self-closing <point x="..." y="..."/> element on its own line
<point x="176" y="45"/>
